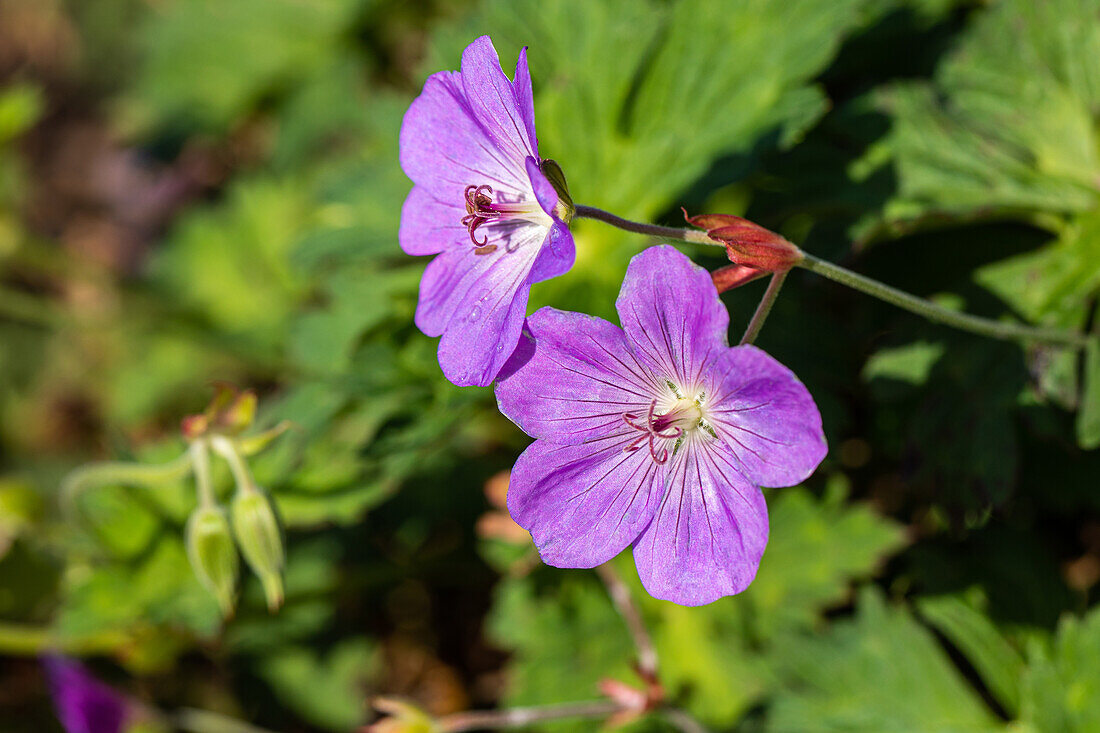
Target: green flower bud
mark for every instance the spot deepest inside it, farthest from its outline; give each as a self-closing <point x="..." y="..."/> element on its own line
<point x="553" y="172"/>
<point x="261" y="541"/>
<point x="212" y="553"/>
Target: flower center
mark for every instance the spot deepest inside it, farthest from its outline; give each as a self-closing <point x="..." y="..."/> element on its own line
<point x="480" y="209"/>
<point x="684" y="416"/>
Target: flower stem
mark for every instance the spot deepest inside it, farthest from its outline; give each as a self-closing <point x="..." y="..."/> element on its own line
<point x="200" y="459"/>
<point x="115" y="472"/>
<point x="620" y="596"/>
<point x="911" y="303"/>
<point x="939" y="314"/>
<point x="205" y="721"/>
<point x="764" y="308"/>
<point x="224" y="447"/>
<point x="518" y="717"/>
<point x="697" y="236"/>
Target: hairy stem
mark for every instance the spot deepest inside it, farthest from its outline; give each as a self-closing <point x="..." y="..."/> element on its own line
<point x="224" y="447"/>
<point x="620" y="596"/>
<point x="911" y="303"/>
<point x="764" y="308"/>
<point x="205" y="721"/>
<point x="200" y="459"/>
<point x="687" y="235"/>
<point x="939" y="314"/>
<point x="119" y="473"/>
<point x="517" y="717"/>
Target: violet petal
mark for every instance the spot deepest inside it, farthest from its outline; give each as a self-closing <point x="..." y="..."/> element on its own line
<point x="583" y="504"/>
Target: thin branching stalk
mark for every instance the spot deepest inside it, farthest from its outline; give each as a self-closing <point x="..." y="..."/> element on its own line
<point x="764" y="308"/>
<point x="624" y="604"/>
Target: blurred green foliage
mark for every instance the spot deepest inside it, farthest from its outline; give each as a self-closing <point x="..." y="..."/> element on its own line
<point x="194" y="190"/>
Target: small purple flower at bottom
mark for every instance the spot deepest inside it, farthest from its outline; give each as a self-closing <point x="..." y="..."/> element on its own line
<point x="657" y="435"/>
<point x="84" y="704"/>
<point x="493" y="211"/>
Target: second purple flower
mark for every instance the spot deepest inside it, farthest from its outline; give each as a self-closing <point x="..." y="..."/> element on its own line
<point x="657" y="435"/>
<point x="482" y="202"/>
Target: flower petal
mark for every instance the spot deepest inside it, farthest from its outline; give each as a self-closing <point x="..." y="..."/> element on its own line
<point x="444" y="147"/>
<point x="766" y="417"/>
<point x="579" y="380"/>
<point x="429" y="226"/>
<point x="477" y="302"/>
<point x="525" y="99"/>
<point x="545" y="193"/>
<point x="494" y="101"/>
<point x="557" y="254"/>
<point x="670" y="310"/>
<point x="84" y="704"/>
<point x="709" y="532"/>
<point x="583" y="504"/>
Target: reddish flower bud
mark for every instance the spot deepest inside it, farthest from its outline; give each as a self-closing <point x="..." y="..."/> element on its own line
<point x="748" y="244"/>
<point x="734" y="276"/>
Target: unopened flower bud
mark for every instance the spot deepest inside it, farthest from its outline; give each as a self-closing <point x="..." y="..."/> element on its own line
<point x="749" y="244"/>
<point x="734" y="276"/>
<point x="212" y="553"/>
<point x="261" y="541"/>
<point x="553" y="172"/>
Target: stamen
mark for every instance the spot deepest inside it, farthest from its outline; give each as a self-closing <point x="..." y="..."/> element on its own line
<point x="481" y="209"/>
<point x="651" y="430"/>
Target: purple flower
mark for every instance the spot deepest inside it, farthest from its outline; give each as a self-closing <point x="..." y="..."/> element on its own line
<point x="657" y="434"/>
<point x="483" y="203"/>
<point x="84" y="704"/>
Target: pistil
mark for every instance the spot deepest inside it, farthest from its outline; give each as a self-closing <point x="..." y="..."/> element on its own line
<point x="481" y="209"/>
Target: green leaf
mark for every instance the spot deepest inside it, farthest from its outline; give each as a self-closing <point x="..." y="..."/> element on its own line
<point x="564" y="642"/>
<point x="1061" y="688"/>
<point x="911" y="363"/>
<point x="325" y="689"/>
<point x="230" y="263"/>
<point x="816" y="549"/>
<point x="881" y="672"/>
<point x="206" y="63"/>
<point x="998" y="663"/>
<point x="1010" y="126"/>
<point x="1052" y="283"/>
<point x="158" y="594"/>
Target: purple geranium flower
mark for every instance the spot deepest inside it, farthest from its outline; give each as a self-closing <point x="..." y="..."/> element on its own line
<point x="483" y="203"/>
<point x="657" y="434"/>
<point x="84" y="704"/>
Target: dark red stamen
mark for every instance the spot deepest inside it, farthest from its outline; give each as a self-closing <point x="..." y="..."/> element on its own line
<point x="477" y="213"/>
<point x="653" y="427"/>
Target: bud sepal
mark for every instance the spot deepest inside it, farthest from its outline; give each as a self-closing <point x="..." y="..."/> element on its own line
<point x="260" y="537"/>
<point x="748" y="244"/>
<point x="213" y="554"/>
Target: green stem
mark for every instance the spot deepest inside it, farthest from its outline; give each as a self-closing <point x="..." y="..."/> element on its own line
<point x="939" y="314"/>
<point x="224" y="447"/>
<point x="119" y="473"/>
<point x="26" y="640"/>
<point x="205" y="721"/>
<point x="200" y="459"/>
<point x="764" y="308"/>
<point x="522" y="717"/>
<point x="696" y="236"/>
<point x="911" y="303"/>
